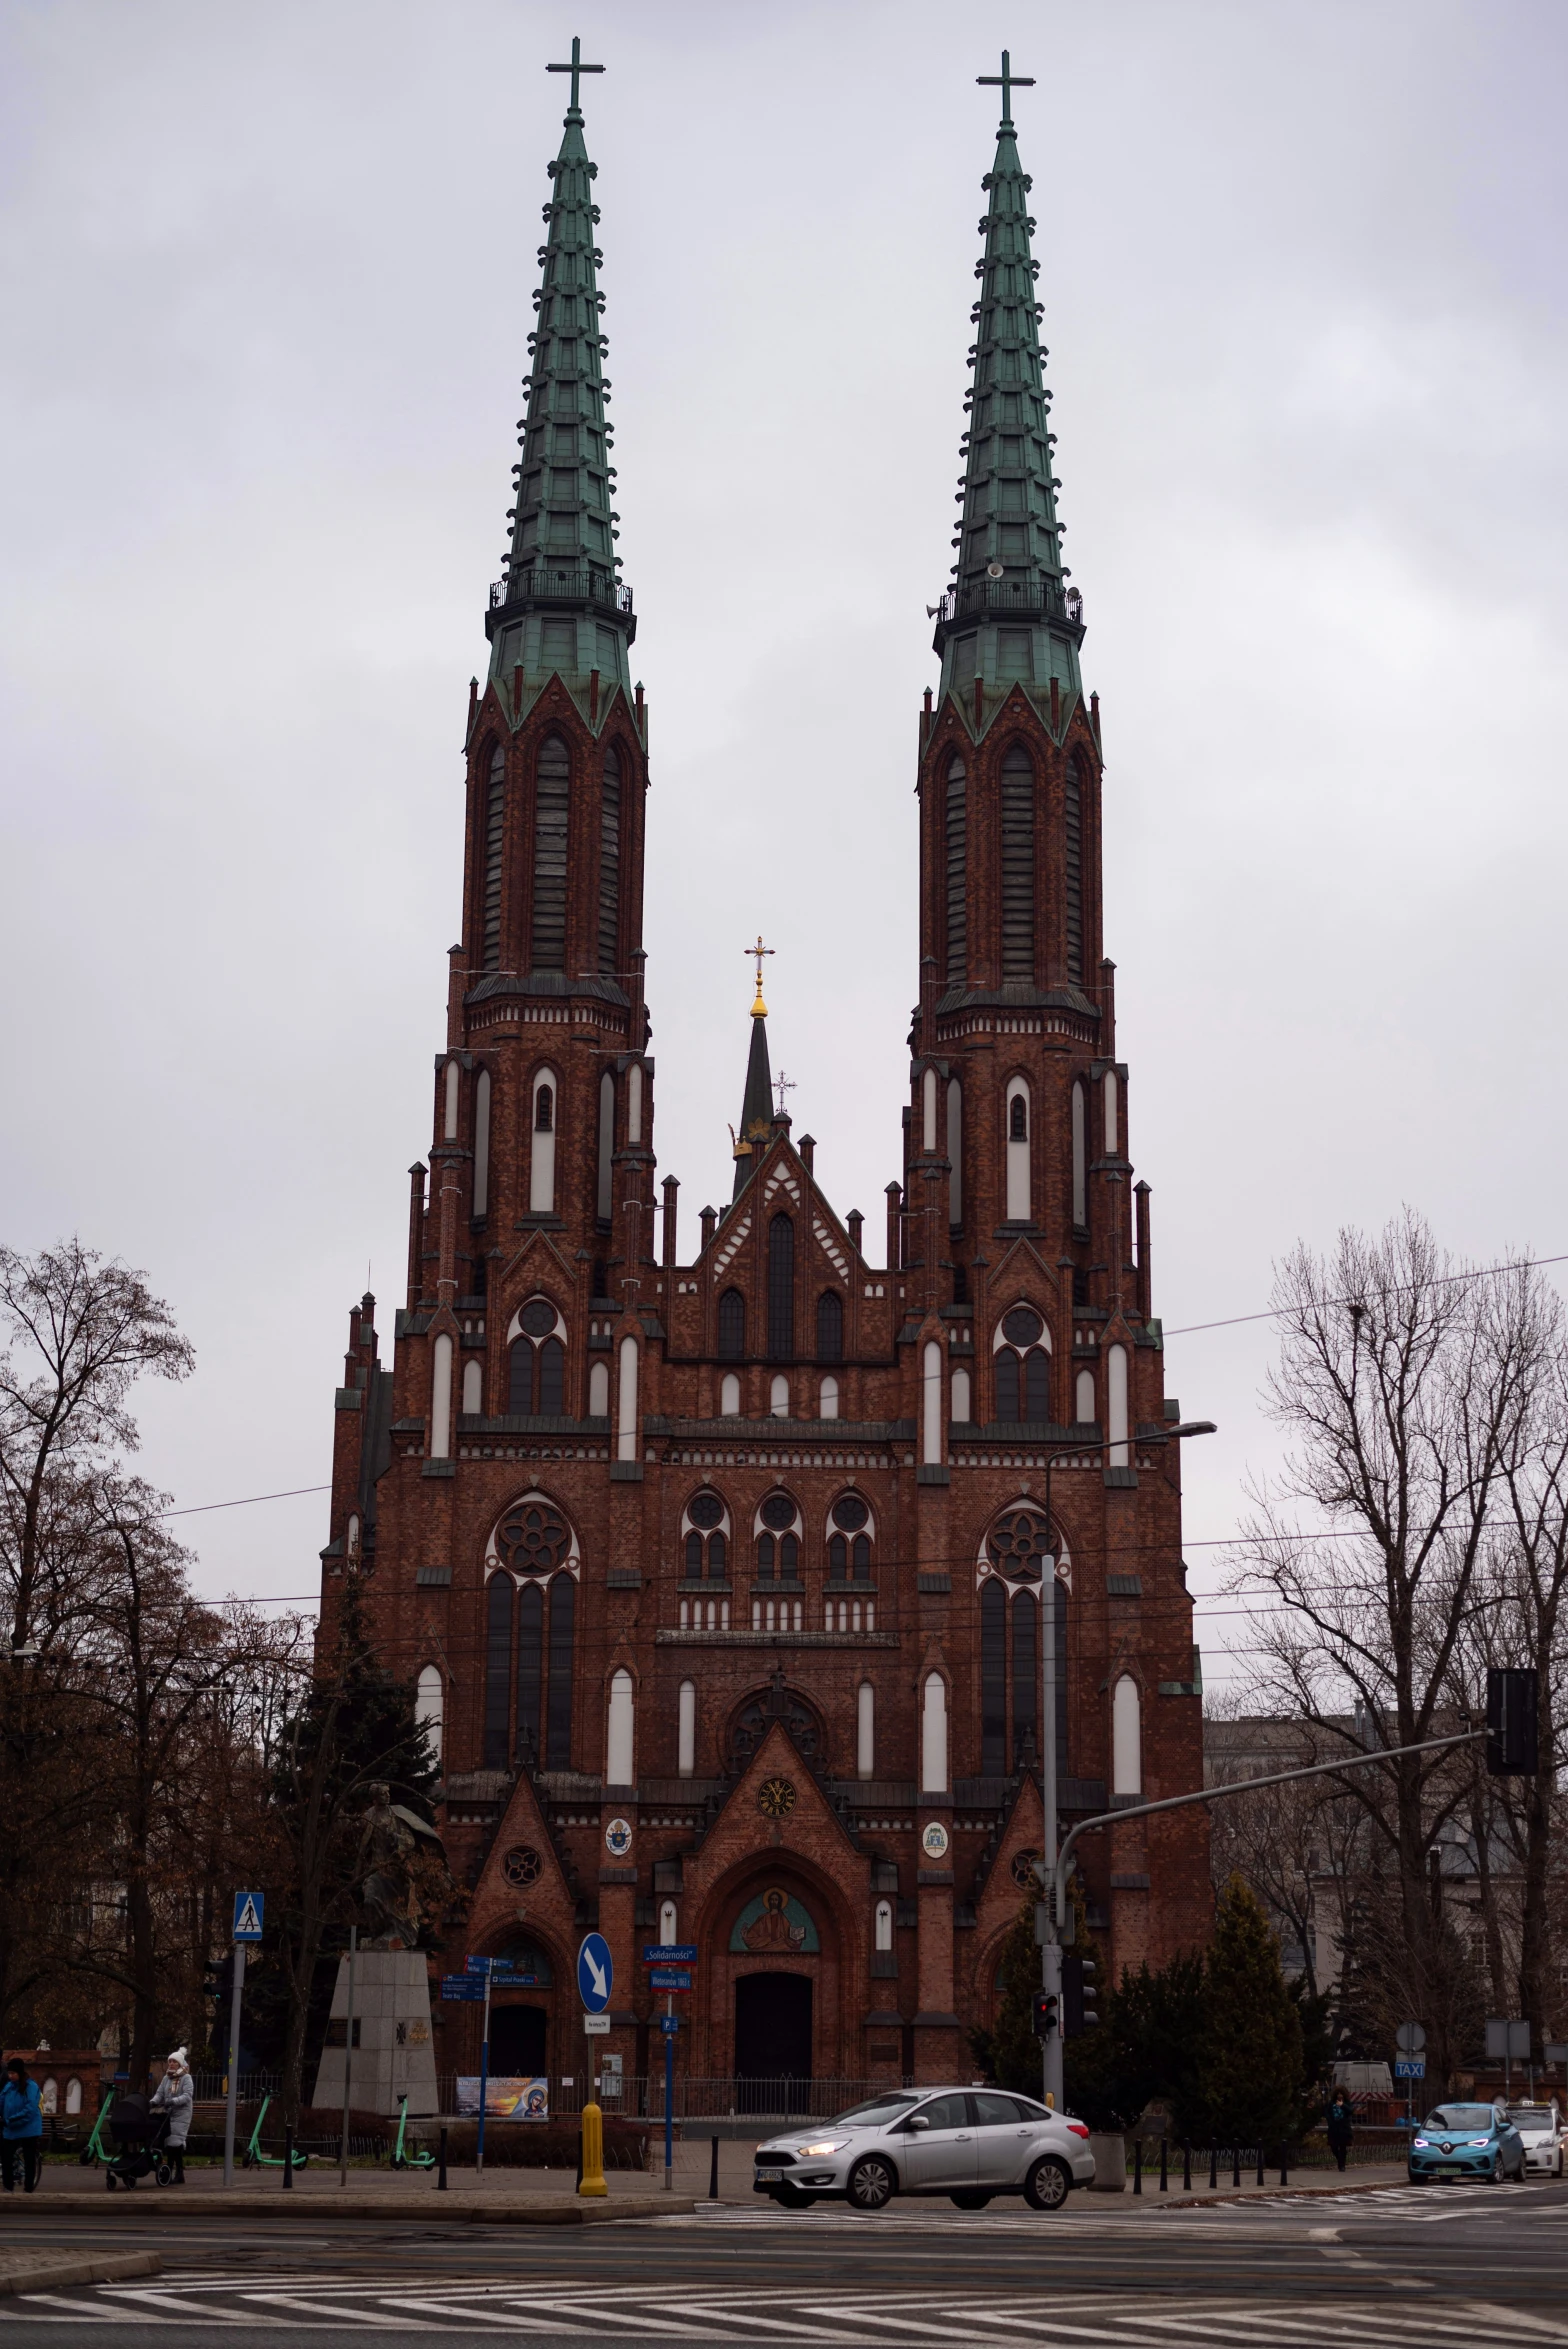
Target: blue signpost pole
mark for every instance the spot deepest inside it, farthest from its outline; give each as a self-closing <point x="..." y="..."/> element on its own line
<point x="669" y="2100"/>
<point x="484" y="2079"/>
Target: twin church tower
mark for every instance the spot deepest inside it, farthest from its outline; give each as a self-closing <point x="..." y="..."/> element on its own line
<point x="717" y="1546"/>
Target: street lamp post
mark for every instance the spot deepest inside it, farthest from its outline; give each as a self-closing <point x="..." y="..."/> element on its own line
<point x="1051" y="1947"/>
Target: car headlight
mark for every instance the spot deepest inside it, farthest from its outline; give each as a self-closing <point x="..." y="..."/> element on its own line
<point x="828" y="2145"/>
<point x="1423" y="2141"/>
<point x="1478" y="2140"/>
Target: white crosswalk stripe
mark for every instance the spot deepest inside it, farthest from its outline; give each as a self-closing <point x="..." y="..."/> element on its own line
<point x="793" y="2317"/>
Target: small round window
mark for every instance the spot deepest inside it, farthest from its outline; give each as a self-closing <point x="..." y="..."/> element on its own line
<point x="538" y="1318"/>
<point x="1022" y="1326"/>
<point x="778" y="1512"/>
<point x="850" y="1514"/>
<point x="707" y="1510"/>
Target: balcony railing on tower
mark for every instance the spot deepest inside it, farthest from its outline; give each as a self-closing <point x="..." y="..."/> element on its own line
<point x="551" y="585"/>
<point x="1028" y="595"/>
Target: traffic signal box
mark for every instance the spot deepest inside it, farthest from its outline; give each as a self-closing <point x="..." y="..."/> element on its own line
<point x="1047" y="2014"/>
<point x="1078" y="1995"/>
<point x="1511" y="1723"/>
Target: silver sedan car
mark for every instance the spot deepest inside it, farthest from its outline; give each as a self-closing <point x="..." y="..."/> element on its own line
<point x="967" y="2143"/>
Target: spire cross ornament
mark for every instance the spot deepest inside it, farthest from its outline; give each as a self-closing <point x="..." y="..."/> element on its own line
<point x="757" y="953"/>
<point x="783" y="1084"/>
<point x="1006" y="81"/>
<point x="577" y="67"/>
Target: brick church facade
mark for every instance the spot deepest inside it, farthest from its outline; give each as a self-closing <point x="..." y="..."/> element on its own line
<point x="718" y="1553"/>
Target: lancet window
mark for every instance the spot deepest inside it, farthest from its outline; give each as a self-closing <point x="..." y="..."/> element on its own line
<point x="536" y="1362"/>
<point x="1021" y="1360"/>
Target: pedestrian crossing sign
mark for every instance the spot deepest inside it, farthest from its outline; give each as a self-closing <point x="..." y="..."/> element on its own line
<point x="248" y="1909"/>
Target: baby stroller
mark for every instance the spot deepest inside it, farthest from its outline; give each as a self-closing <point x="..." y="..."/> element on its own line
<point x="139" y="2135"/>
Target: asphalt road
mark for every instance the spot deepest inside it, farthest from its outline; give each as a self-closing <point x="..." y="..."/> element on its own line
<point x="1399" y="2266"/>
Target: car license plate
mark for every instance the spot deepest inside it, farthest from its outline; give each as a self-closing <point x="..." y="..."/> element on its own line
<point x="769" y="2177"/>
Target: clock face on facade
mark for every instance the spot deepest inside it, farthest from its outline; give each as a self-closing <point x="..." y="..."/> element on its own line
<point x="776" y="1798"/>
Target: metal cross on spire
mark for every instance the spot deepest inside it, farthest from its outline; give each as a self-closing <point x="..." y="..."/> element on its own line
<point x="757" y="953"/>
<point x="1006" y="81"/>
<point x="577" y="67"/>
<point x="782" y="1085"/>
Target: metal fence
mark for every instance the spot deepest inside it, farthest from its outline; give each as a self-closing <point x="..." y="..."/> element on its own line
<point x="641" y="2097"/>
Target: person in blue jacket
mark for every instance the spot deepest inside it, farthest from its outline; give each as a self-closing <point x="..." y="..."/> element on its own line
<point x="21" y="2128"/>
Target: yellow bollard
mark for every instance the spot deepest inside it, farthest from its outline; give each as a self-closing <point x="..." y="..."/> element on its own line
<point x="593" y="2152"/>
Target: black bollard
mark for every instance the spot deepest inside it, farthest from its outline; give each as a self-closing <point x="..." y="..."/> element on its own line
<point x="288" y="2157"/>
<point x="441" y="2163"/>
<point x="1214" y="2174"/>
<point x="713" y="2174"/>
<point x="1261" y="2179"/>
<point x="1284" y="2165"/>
<point x="1235" y="2165"/>
<point x="1164" y="2180"/>
<point x="1186" y="2165"/>
<point x="1137" y="2165"/>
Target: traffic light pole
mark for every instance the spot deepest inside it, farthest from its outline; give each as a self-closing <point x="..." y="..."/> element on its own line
<point x="1051" y="1948"/>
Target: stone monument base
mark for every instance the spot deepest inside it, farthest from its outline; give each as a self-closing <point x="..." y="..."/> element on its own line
<point x="394" y="2053"/>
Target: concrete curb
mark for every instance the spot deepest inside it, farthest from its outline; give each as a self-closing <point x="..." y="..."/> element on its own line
<point x="313" y="2209"/>
<point x="21" y="2272"/>
<point x="1276" y="2194"/>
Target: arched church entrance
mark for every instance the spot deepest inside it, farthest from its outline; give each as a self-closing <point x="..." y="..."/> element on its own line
<point x="772" y="2040"/>
<point x="518" y="2039"/>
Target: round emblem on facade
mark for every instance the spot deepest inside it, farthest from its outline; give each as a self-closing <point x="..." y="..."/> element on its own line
<point x="618" y="1838"/>
<point x="1023" y="1871"/>
<point x="521" y="1865"/>
<point x="533" y="1539"/>
<point x="933" y="1840"/>
<point x="776" y="1798"/>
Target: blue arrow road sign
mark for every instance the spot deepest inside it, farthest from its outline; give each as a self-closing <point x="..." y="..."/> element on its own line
<point x="1411" y="2067"/>
<point x="248" y="1911"/>
<point x="670" y="1978"/>
<point x="459" y="1986"/>
<point x="595" y="1973"/>
<point x="669" y="1953"/>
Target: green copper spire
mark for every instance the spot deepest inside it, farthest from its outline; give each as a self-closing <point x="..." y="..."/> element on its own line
<point x="1009" y="617"/>
<point x="561" y="607"/>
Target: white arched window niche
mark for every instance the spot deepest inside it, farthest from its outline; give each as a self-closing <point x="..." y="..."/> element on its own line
<point x="441" y="1398"/>
<point x="955" y="1151"/>
<point x="634" y="1084"/>
<point x="1018" y="1114"/>
<point x="729" y="1396"/>
<point x="449" y="1121"/>
<point x="1116" y="1406"/>
<point x="599" y="1391"/>
<point x="351" y="1537"/>
<point x="1084" y="1410"/>
<point x="931" y="1403"/>
<point x="1112" y="1115"/>
<point x="626" y="1403"/>
<point x="73" y="2096"/>
<point x="928" y="1092"/>
<point x="620" y="1733"/>
<point x="866" y="1731"/>
<point x="963" y="1408"/>
<point x="1126" y="1737"/>
<point x="933" y="1735"/>
<point x="686" y="1735"/>
<point x="473" y="1388"/>
<point x="430" y="1705"/>
<point x="778" y="1397"/>
<point x="544" y="1123"/>
<point x="669" y="1922"/>
<point x="884" y="1927"/>
<point x="482" y="1143"/>
<point x="827" y="1399"/>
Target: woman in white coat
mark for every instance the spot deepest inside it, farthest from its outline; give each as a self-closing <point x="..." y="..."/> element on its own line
<point x="175" y="2094"/>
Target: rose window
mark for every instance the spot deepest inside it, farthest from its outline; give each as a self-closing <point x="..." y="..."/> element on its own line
<point x="533" y="1539"/>
<point x="1019" y="1544"/>
<point x="521" y="1865"/>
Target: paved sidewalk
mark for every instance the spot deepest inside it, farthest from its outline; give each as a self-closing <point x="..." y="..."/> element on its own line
<point x="49" y="2271"/>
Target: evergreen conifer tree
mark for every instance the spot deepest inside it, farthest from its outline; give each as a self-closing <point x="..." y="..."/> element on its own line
<point x="1010" y="2053"/>
<point x="1249" y="2068"/>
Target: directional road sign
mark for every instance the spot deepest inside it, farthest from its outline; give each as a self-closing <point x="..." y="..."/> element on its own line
<point x="249" y="1908"/>
<point x="669" y="1953"/>
<point x="1410" y="2067"/>
<point x="463" y="1986"/>
<point x="595" y="1973"/>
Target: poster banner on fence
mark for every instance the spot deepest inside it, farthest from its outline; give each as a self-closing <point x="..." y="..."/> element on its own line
<point x="505" y="2100"/>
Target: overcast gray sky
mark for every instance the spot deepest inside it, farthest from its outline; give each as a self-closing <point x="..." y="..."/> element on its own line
<point x="266" y="276"/>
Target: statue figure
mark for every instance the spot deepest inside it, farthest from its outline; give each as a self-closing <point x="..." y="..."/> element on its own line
<point x="386" y="1883"/>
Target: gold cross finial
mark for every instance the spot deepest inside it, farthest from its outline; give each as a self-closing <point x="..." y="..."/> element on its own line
<point x="759" y="1009"/>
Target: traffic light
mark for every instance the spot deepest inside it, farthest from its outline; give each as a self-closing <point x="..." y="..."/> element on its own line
<point x="1047" y="2008"/>
<point x="1078" y="1994"/>
<point x="1512" y="1744"/>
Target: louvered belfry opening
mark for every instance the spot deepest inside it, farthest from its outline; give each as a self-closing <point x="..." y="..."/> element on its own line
<point x="1018" y="894"/>
<point x="610" y="862"/>
<point x="552" y="799"/>
<point x="781" y="1289"/>
<point x="495" y="824"/>
<point x="1073" y="870"/>
<point x="957" y="818"/>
